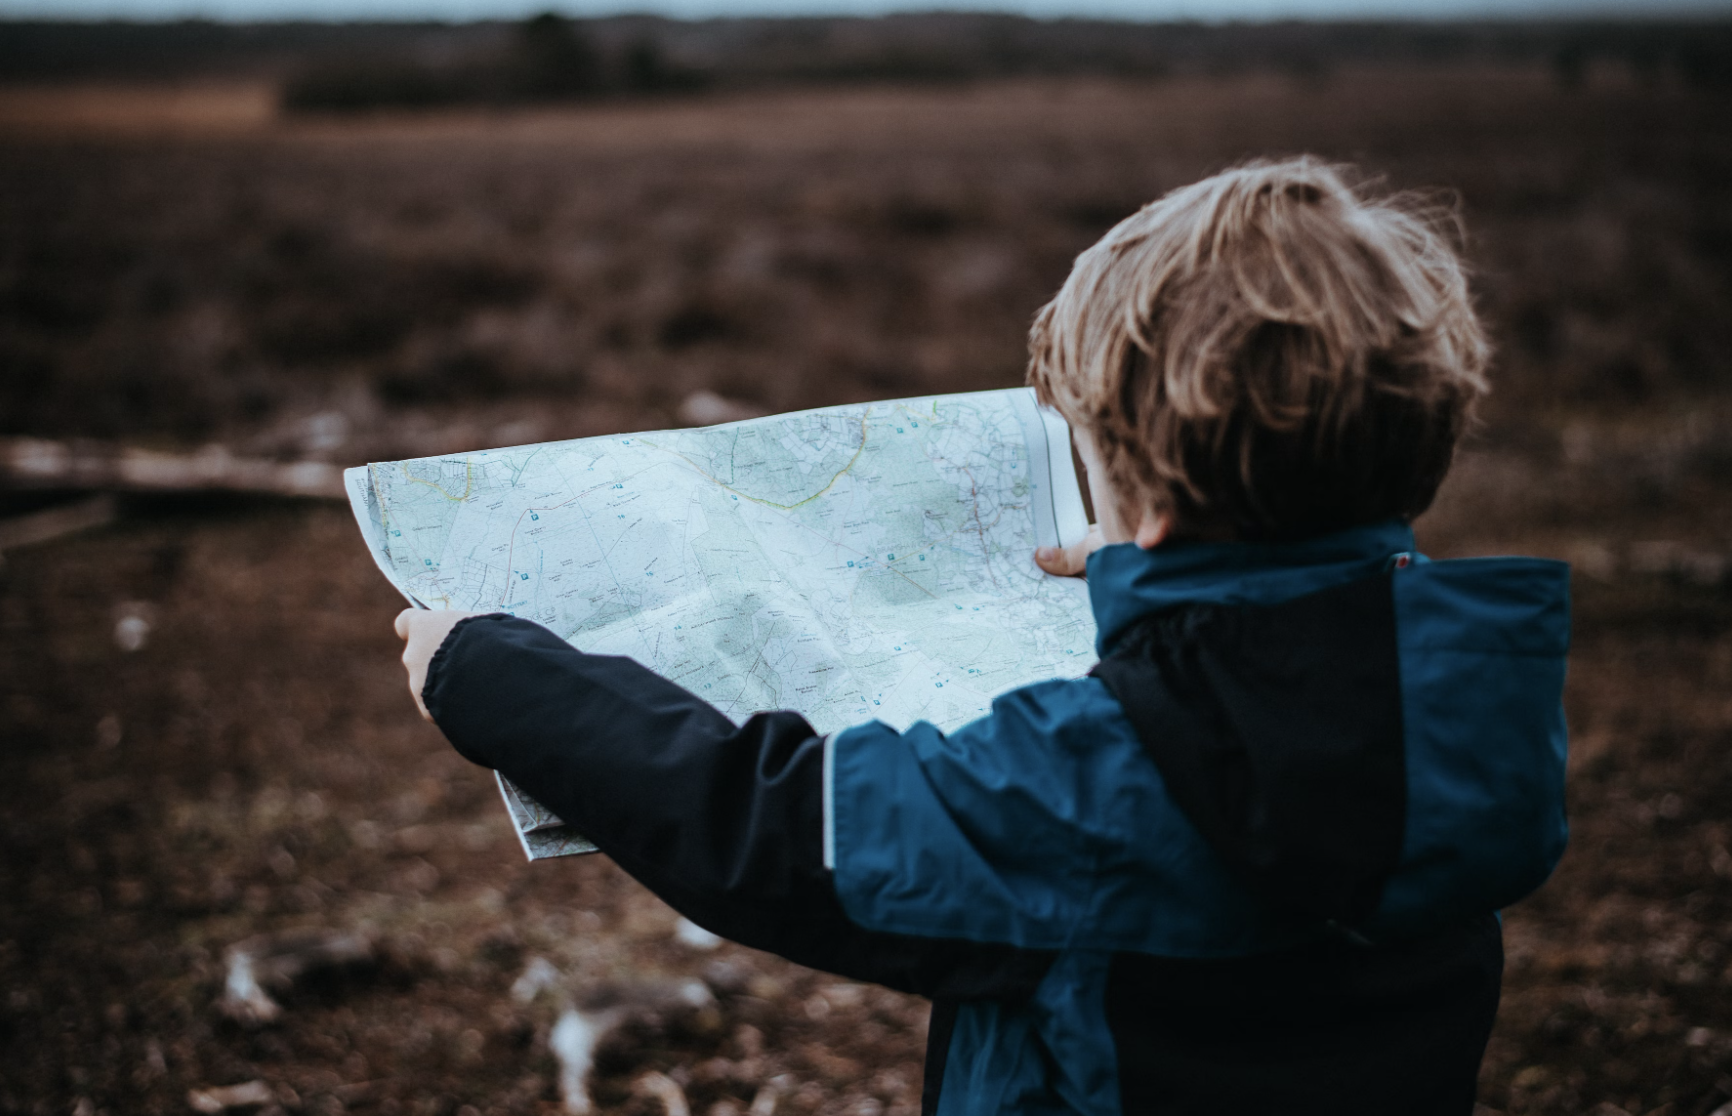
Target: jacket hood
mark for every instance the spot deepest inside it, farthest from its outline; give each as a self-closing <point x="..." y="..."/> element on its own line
<point x="1127" y="582"/>
<point x="1480" y="647"/>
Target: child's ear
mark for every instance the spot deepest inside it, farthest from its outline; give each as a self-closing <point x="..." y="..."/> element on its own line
<point x="1153" y="530"/>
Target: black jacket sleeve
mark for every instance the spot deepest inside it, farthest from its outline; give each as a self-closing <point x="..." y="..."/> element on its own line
<point x="725" y="823"/>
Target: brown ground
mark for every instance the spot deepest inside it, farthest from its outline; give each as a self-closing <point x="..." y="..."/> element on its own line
<point x="383" y="287"/>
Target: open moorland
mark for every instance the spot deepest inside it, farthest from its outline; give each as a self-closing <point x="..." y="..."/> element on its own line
<point x="181" y="266"/>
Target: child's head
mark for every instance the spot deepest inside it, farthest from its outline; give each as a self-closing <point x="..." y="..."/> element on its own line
<point x="1266" y="354"/>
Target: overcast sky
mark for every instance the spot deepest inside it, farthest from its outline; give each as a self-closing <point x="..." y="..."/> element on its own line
<point x="1115" y="9"/>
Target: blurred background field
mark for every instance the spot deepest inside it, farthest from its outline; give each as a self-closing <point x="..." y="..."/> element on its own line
<point x="205" y="732"/>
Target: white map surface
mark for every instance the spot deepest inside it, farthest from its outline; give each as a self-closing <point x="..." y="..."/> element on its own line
<point x="850" y="563"/>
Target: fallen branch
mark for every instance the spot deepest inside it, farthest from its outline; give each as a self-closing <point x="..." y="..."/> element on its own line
<point x="274" y="962"/>
<point x="211" y="1101"/>
<point x="105" y="467"/>
<point x="603" y="1010"/>
<point x="51" y="523"/>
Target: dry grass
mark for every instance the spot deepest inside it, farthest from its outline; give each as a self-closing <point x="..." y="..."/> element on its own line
<point x="149" y="110"/>
<point x="391" y="285"/>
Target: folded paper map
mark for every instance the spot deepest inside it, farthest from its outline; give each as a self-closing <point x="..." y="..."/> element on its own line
<point x="849" y="563"/>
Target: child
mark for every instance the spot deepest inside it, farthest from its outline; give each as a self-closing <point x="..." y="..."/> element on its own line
<point x="1249" y="865"/>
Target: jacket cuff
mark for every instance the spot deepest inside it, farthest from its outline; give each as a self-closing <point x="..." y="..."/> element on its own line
<point x="437" y="690"/>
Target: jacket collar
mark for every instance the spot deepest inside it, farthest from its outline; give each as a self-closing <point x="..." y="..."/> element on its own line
<point x="1127" y="582"/>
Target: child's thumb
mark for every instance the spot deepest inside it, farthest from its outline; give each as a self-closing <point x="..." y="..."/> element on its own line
<point x="1064" y="561"/>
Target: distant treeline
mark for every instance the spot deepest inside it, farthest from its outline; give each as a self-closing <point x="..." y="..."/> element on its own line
<point x="353" y="66"/>
<point x="546" y="58"/>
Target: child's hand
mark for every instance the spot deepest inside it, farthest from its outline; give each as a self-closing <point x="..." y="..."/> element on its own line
<point x="423" y="630"/>
<point x="1072" y="560"/>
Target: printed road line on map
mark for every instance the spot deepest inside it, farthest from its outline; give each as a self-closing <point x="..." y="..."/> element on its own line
<point x="717" y="481"/>
<point x="468" y="481"/>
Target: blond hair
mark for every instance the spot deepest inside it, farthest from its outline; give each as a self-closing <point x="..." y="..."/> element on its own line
<point x="1268" y="353"/>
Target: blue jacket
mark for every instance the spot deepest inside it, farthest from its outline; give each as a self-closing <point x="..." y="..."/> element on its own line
<point x="1249" y="865"/>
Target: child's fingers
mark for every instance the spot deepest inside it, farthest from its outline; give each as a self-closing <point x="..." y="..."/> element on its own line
<point x="422" y="631"/>
<point x="415" y="654"/>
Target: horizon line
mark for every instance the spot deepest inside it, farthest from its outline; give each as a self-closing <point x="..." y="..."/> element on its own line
<point x="492" y="11"/>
